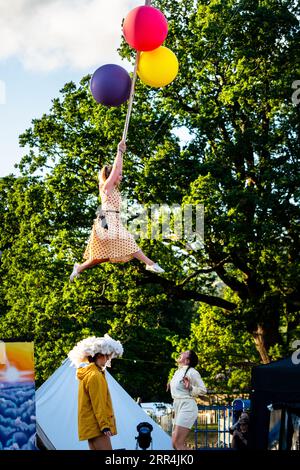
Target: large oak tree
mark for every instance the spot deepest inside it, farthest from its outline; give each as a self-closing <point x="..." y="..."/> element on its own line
<point x="238" y="60"/>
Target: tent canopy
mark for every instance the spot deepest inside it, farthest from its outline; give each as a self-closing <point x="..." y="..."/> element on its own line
<point x="281" y="377"/>
<point x="273" y="384"/>
<point x="56" y="411"/>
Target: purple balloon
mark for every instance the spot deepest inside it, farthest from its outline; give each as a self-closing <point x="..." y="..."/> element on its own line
<point x="110" y="85"/>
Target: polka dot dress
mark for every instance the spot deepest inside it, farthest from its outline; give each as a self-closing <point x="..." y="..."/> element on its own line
<point x="115" y="244"/>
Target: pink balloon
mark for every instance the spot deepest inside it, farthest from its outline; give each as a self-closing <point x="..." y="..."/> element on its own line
<point x="145" y="28"/>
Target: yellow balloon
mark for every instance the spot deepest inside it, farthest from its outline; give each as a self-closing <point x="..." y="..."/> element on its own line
<point x="158" y="68"/>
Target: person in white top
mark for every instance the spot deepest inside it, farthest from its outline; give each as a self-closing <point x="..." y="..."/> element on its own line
<point x="185" y="385"/>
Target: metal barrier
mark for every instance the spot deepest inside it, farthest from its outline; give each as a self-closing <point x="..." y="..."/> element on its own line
<point x="212" y="426"/>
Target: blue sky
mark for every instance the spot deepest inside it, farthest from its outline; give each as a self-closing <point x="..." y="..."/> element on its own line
<point x="43" y="45"/>
<point x="27" y="95"/>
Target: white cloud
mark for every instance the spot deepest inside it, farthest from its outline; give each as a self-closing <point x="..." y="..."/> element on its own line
<point x="49" y="34"/>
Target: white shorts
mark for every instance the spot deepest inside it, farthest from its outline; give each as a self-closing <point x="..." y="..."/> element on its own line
<point x="186" y="412"/>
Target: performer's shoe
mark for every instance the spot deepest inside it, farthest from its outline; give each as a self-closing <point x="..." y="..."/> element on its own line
<point x="75" y="273"/>
<point x="155" y="268"/>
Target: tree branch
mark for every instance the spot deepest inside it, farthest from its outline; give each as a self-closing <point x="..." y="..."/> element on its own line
<point x="232" y="282"/>
<point x="229" y="280"/>
<point x="109" y="302"/>
<point x="176" y="291"/>
<point x="207" y="299"/>
<point x="185" y="107"/>
<point x="203" y="271"/>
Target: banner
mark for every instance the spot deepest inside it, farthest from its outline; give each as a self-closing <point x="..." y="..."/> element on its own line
<point x="17" y="397"/>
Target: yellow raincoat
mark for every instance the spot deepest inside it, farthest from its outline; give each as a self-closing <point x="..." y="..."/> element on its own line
<point x="95" y="411"/>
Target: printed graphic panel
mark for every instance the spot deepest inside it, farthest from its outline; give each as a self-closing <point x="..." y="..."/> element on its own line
<point x="17" y="397"/>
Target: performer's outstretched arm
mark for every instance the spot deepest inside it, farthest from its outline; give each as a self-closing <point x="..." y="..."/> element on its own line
<point x="117" y="168"/>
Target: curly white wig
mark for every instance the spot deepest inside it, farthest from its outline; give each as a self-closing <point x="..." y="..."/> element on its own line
<point x="93" y="345"/>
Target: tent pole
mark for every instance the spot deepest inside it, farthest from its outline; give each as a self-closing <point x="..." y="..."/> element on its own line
<point x="131" y="96"/>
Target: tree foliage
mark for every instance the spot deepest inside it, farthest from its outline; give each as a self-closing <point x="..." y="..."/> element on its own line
<point x="235" y="300"/>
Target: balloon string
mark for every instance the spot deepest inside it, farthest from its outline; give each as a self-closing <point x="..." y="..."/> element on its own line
<point x="131" y="96"/>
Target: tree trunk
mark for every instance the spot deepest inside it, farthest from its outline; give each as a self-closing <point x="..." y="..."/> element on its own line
<point x="265" y="328"/>
<point x="259" y="340"/>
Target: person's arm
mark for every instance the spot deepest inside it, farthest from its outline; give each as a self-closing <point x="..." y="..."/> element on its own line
<point x="233" y="428"/>
<point x="194" y="383"/>
<point x="116" y="169"/>
<point x="238" y="436"/>
<point x="97" y="392"/>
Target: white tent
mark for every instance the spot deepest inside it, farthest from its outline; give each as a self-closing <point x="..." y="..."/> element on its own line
<point x="56" y="411"/>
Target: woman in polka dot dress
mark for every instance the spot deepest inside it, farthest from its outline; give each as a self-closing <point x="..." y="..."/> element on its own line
<point x="109" y="239"/>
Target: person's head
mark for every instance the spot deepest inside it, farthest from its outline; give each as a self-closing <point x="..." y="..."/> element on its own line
<point x="244" y="422"/>
<point x="105" y="172"/>
<point x="188" y="358"/>
<point x="100" y="350"/>
<point x="244" y="426"/>
<point x="99" y="359"/>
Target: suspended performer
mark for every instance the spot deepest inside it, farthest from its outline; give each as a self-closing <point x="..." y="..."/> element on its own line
<point x="109" y="240"/>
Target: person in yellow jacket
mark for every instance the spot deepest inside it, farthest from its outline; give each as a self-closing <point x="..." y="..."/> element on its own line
<point x="96" y="420"/>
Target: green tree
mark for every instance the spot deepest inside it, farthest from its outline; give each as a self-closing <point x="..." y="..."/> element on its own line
<point x="233" y="93"/>
<point x="238" y="61"/>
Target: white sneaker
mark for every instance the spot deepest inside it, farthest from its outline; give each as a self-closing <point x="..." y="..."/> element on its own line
<point x="155" y="268"/>
<point x="75" y="273"/>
